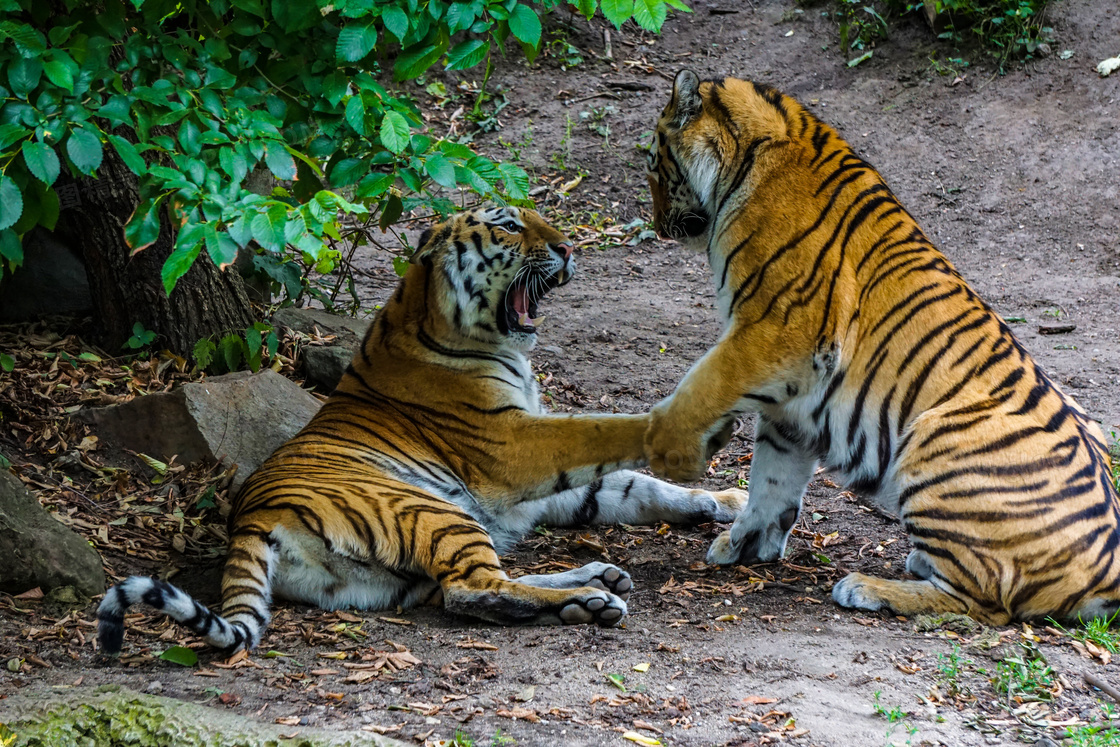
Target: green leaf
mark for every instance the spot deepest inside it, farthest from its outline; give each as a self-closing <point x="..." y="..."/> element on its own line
<point x="280" y="162"/>
<point x="84" y="149"/>
<point x="396" y="22"/>
<point x="48" y="208"/>
<point x="467" y="54"/>
<point x="585" y="7"/>
<point x="142" y="228"/>
<point x="24" y="76"/>
<point x="400" y="266"/>
<point x="128" y="153"/>
<point x="7" y="363"/>
<point x="356" y="114"/>
<point x="395" y="132"/>
<point x="516" y="181"/>
<point x="617" y="11"/>
<point x="10" y="247"/>
<point x="441" y="170"/>
<point x="221" y="248"/>
<point x="678" y="5"/>
<point x="41" y="161"/>
<point x="61" y="70"/>
<point x="116" y="110"/>
<point x="355" y="41"/>
<point x="26" y="38"/>
<point x="11" y="133"/>
<point x="413" y="63"/>
<point x="525" y="25"/>
<point x="11" y="201"/>
<point x="180" y="655"/>
<point x="268" y="227"/>
<point x="392" y="210"/>
<point x="650" y="14"/>
<point x="176" y="267"/>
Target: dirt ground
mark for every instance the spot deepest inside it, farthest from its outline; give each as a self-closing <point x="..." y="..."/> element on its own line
<point x="1015" y="177"/>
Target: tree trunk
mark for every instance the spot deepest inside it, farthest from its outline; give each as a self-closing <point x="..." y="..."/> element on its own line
<point x="127" y="289"/>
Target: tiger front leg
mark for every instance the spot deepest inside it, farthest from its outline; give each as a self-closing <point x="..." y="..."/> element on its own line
<point x="780" y="472"/>
<point x="626" y="497"/>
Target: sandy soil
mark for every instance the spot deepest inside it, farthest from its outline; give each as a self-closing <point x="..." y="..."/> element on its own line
<point x="1014" y="176"/>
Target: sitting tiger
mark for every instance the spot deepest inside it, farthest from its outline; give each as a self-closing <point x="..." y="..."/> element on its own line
<point x="431" y="457"/>
<point x="862" y="349"/>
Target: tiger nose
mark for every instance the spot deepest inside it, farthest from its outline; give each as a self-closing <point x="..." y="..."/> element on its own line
<point x="564" y="249"/>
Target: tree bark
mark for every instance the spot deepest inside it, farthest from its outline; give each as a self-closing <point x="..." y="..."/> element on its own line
<point x="127" y="289"/>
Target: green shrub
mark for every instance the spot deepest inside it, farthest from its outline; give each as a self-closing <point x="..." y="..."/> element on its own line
<point x="193" y="96"/>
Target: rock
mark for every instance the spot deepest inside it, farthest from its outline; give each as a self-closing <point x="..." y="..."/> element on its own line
<point x="349" y="330"/>
<point x="324" y="364"/>
<point x="52" y="281"/>
<point x="114" y="715"/>
<point x="239" y="418"/>
<point x="1056" y="329"/>
<point x="38" y="550"/>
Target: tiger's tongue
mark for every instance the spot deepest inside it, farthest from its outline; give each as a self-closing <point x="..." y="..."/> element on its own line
<point x="519" y="300"/>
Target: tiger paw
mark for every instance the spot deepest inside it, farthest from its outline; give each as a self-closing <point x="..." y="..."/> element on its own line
<point x="602" y="608"/>
<point x="729" y="504"/>
<point x="756" y="546"/>
<point x="855" y="591"/>
<point x="609" y="578"/>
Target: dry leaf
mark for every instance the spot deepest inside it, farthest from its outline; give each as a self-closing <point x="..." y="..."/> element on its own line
<point x="758" y="700"/>
<point x="526" y="714"/>
<point x="480" y="645"/>
<point x="634" y="736"/>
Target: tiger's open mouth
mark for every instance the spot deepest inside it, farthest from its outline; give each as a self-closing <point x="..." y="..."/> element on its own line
<point x="519" y="312"/>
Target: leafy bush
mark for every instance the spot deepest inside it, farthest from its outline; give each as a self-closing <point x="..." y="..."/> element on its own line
<point x="194" y="96"/>
<point x="1007" y="29"/>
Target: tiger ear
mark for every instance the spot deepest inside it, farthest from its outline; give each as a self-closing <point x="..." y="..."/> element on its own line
<point x="423" y="245"/>
<point x="686" y="97"/>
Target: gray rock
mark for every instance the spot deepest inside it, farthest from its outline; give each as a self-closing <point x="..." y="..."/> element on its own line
<point x="325" y="364"/>
<point x="52" y="281"/>
<point x="110" y="714"/>
<point x="38" y="550"/>
<point x="349" y="330"/>
<point x="239" y="418"/>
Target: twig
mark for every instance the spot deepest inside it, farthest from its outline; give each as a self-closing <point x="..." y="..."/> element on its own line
<point x="608" y="52"/>
<point x="601" y="94"/>
<point x="1101" y="685"/>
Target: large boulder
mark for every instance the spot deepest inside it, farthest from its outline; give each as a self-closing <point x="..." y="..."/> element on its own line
<point x="324" y="364"/>
<point x="38" y="550"/>
<point x="239" y="418"/>
<point x="113" y="715"/>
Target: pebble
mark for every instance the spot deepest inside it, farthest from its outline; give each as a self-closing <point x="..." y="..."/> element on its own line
<point x="154" y="687"/>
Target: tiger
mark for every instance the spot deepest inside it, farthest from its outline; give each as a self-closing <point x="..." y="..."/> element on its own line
<point x="862" y="350"/>
<point x="432" y="456"/>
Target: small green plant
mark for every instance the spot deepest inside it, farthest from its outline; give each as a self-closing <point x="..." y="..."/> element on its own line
<point x="1026" y="676"/>
<point x="951" y="66"/>
<point x="860" y="25"/>
<point x="565" y="53"/>
<point x="895" y="717"/>
<point x="1055" y="313"/>
<point x="140" y="337"/>
<point x="231" y="351"/>
<point x="596" y="121"/>
<point x="564" y="152"/>
<point x="950" y="667"/>
<point x="1102" y="734"/>
<point x="501" y="740"/>
<point x="1097" y="631"/>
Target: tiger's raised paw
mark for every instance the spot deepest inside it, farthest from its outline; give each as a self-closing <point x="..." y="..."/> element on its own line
<point x="609" y="578"/>
<point x="855" y="592"/>
<point x="602" y="608"/>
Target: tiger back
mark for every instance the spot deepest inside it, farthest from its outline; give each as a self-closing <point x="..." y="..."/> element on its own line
<point x="431" y="457"/>
<point x="862" y="349"/>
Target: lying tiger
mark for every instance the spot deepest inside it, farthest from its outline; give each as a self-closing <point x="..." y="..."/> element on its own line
<point x="432" y="457"/>
<point x="862" y="349"/>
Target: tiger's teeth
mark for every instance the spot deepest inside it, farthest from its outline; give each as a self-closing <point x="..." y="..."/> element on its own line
<point x="537" y="322"/>
<point x="524" y="320"/>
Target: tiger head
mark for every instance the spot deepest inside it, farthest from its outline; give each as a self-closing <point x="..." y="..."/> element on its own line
<point x="488" y="269"/>
<point x="705" y="145"/>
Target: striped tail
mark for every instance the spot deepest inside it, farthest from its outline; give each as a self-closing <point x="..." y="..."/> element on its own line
<point x="245" y="602"/>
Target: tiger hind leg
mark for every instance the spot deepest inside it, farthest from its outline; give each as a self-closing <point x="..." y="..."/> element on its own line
<point x="858" y="591"/>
